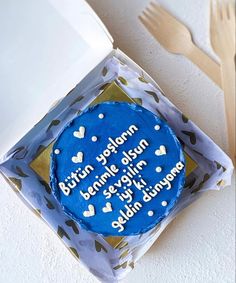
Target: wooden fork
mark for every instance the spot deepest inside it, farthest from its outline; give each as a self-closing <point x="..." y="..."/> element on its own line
<point x="176" y="38"/>
<point x="223" y="42"/>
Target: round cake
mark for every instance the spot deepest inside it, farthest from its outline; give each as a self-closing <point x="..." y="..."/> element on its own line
<point x="117" y="169"/>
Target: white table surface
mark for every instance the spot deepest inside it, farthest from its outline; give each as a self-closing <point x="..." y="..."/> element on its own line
<point x="199" y="245"/>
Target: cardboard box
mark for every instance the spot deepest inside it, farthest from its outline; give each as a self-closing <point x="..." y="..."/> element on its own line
<point x="51" y="49"/>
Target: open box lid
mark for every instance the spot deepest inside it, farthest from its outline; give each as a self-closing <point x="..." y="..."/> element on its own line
<point x="46" y="48"/>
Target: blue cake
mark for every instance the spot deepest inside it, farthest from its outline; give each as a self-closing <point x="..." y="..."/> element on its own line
<point x="117" y="169"/>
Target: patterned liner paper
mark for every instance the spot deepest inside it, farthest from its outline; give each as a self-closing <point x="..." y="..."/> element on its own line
<point x="110" y="264"/>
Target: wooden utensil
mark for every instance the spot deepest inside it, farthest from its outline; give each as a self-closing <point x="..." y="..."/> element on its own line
<point x="176" y="38"/>
<point x="222" y="31"/>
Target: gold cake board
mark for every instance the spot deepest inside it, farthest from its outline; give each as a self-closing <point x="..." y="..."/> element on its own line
<point x="41" y="163"/>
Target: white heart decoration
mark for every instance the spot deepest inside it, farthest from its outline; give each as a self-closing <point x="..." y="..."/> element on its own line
<point x="161" y="150"/>
<point x="80" y="133"/>
<point x="107" y="208"/>
<point x="78" y="158"/>
<point x="90" y="212"/>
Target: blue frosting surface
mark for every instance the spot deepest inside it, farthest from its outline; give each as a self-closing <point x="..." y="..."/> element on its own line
<point x="117" y="169"/>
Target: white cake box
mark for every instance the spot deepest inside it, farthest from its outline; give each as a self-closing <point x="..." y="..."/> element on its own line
<point x="47" y="47"/>
<point x="53" y="47"/>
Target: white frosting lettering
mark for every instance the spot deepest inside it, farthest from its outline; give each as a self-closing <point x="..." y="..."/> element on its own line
<point x="135" y="152"/>
<point x="148" y="195"/>
<point x="64" y="189"/>
<point x="129" y="212"/>
<point x="115" y="143"/>
<point x="75" y="178"/>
